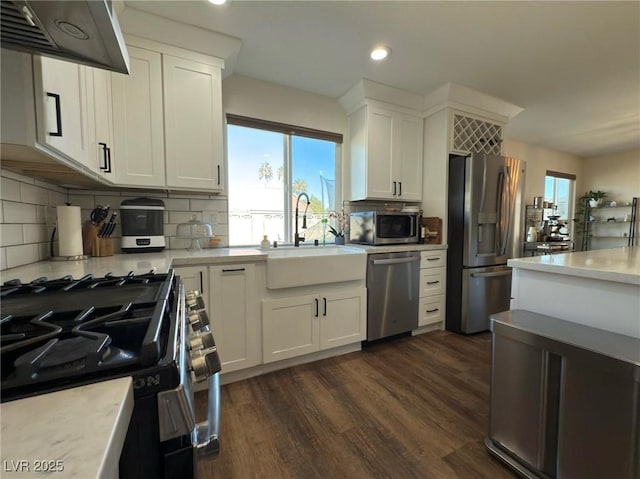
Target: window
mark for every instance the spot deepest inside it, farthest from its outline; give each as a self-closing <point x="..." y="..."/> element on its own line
<point x="559" y="191"/>
<point x="270" y="164"/>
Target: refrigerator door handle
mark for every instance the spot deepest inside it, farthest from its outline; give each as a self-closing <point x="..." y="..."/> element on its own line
<point x="492" y="274"/>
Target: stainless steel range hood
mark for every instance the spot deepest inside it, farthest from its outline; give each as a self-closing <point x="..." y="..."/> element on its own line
<point x="85" y="31"/>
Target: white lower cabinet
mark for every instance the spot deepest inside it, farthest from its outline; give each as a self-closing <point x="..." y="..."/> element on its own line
<point x="305" y="324"/>
<point x="195" y="278"/>
<point x="234" y="314"/>
<point x="432" y="287"/>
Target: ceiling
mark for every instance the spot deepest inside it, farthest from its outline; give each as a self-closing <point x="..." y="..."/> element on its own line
<point x="574" y="67"/>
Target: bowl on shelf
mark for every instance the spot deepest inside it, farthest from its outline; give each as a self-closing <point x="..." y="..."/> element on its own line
<point x="195" y="230"/>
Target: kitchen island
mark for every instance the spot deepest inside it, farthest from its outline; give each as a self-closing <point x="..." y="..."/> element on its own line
<point x="598" y="288"/>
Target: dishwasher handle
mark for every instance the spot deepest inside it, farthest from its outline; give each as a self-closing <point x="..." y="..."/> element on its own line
<point x="396" y="260"/>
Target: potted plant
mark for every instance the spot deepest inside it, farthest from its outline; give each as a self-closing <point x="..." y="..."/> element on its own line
<point x="342" y="220"/>
<point x="594" y="197"/>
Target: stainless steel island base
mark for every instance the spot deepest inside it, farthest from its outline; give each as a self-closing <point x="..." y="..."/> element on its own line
<point x="565" y="398"/>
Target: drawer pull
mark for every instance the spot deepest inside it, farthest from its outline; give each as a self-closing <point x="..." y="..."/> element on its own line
<point x="433" y="259"/>
<point x="234" y="270"/>
<point x="432" y="310"/>
<point x="433" y="282"/>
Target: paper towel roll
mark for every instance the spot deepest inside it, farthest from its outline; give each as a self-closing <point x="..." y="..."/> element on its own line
<point x="69" y="230"/>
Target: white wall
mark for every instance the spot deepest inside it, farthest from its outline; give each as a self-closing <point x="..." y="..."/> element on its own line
<point x="268" y="101"/>
<point x="618" y="175"/>
<point x="540" y="159"/>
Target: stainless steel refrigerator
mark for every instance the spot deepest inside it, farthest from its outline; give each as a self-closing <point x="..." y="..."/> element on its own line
<point x="484" y="214"/>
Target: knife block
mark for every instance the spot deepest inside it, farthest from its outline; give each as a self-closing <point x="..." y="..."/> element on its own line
<point x="103" y="247"/>
<point x="92" y="244"/>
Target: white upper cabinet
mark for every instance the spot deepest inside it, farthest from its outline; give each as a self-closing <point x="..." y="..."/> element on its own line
<point x="138" y="146"/>
<point x="61" y="107"/>
<point x="193" y="124"/>
<point x="100" y="120"/>
<point x="385" y="154"/>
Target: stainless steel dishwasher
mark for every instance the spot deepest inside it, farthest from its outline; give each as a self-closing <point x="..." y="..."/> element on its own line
<point x="393" y="289"/>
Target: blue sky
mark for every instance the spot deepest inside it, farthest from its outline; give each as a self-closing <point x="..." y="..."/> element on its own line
<point x="249" y="148"/>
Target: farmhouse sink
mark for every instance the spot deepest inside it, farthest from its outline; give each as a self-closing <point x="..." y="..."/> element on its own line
<point x="289" y="267"/>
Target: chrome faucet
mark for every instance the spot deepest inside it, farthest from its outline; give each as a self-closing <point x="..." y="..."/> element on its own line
<point x="297" y="238"/>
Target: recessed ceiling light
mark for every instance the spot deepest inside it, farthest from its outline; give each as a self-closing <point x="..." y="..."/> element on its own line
<point x="218" y="2"/>
<point x="380" y="53"/>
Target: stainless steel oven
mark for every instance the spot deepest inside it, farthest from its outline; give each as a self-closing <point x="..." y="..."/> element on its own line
<point x="380" y="228"/>
<point x="66" y="332"/>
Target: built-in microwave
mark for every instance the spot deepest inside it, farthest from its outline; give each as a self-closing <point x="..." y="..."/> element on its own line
<point x="380" y="228"/>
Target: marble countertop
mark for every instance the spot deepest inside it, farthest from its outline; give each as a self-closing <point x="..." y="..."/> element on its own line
<point x="620" y="265"/>
<point x="121" y="264"/>
<point x="79" y="432"/>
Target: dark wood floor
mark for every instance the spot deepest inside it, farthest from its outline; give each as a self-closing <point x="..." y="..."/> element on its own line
<point x="412" y="408"/>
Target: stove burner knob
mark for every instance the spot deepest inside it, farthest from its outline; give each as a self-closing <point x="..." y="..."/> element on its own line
<point x="205" y="363"/>
<point x="195" y="300"/>
<point x="202" y="340"/>
<point x="198" y="319"/>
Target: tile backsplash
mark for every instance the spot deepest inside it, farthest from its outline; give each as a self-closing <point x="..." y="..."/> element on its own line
<point x="28" y="215"/>
<point x="27" y="218"/>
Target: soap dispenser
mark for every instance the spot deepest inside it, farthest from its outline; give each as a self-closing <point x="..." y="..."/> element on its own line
<point x="264" y="244"/>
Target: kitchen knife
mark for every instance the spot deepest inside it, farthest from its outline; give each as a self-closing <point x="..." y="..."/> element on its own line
<point x="102" y="230"/>
<point x="111" y="225"/>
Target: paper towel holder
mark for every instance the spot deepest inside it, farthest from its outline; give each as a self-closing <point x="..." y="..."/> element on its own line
<point x="78" y="257"/>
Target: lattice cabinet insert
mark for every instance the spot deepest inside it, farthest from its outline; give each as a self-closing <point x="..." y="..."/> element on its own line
<point x="473" y="135"/>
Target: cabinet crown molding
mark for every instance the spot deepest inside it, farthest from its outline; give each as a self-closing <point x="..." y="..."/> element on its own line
<point x="367" y="90"/>
<point x="467" y="99"/>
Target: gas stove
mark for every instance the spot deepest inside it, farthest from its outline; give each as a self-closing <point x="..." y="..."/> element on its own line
<point x="66" y="332"/>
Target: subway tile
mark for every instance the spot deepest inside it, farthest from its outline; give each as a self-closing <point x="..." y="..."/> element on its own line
<point x="195" y="196"/>
<point x="57" y="198"/>
<point x="83" y="201"/>
<point x="10" y="189"/>
<point x="176" y="204"/>
<point x="24" y="254"/>
<point x="113" y="201"/>
<point x="36" y="233"/>
<point x="17" y="177"/>
<point x="44" y="251"/>
<point x="91" y="192"/>
<point x="210" y="217"/>
<point x="210" y="205"/>
<point x="144" y="194"/>
<point x="42" y="214"/>
<point x="11" y="235"/>
<point x="50" y="186"/>
<point x="1" y="212"/>
<point x="50" y="216"/>
<point x="170" y="229"/>
<point x="19" y="212"/>
<point x="183" y="216"/>
<point x="3" y="258"/>
<point x="34" y="195"/>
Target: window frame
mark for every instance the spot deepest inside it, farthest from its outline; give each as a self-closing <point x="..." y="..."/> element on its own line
<point x="289" y="131"/>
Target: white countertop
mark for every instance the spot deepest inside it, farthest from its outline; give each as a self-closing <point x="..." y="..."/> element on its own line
<point x="620" y="265"/>
<point x="79" y="431"/>
<point x="121" y="264"/>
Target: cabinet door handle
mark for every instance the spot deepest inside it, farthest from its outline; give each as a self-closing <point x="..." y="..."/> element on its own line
<point x="394" y="188"/>
<point x="233" y="270"/>
<point x="106" y="155"/>
<point x="324" y="300"/>
<point x="399" y="188"/>
<point x="433" y="282"/>
<point x="317" y="307"/>
<point x="433" y="259"/>
<point x="108" y="169"/>
<point x="58" y="131"/>
<point x="201" y="283"/>
<point x="218" y="174"/>
<point x="432" y="310"/>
